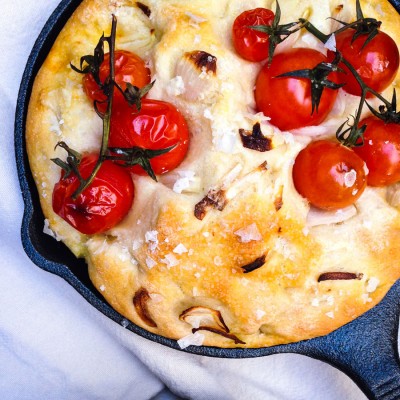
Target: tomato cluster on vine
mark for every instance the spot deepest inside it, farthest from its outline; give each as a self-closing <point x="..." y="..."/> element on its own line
<point x="297" y="88"/>
<point x="140" y="136"/>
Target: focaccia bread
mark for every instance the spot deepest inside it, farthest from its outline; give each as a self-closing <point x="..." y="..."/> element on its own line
<point x="258" y="268"/>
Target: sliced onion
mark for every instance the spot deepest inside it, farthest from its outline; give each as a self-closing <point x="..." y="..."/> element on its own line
<point x="197" y="70"/>
<point x="203" y="316"/>
<point x="316" y="217"/>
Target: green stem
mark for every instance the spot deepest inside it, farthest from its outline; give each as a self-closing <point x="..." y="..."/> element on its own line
<point x="324" y="38"/>
<point x="313" y="30"/>
<point x="364" y="88"/>
<point x="107" y="116"/>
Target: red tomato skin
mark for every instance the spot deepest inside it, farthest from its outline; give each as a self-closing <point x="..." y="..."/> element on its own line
<point x="128" y="68"/>
<point x="250" y="44"/>
<point x="377" y="63"/>
<point x="319" y="175"/>
<point x="158" y="125"/>
<point x="286" y="100"/>
<point x="381" y="151"/>
<point x="100" y="206"/>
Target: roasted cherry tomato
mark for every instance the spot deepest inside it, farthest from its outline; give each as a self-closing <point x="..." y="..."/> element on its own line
<point x="250" y="44"/>
<point x="129" y="68"/>
<point x="381" y="151"/>
<point x="287" y="100"/>
<point x="377" y="63"/>
<point x="102" y="204"/>
<point x="158" y="125"/>
<point x="329" y="175"/>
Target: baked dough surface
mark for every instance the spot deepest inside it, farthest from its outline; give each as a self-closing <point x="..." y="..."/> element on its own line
<point x="163" y="268"/>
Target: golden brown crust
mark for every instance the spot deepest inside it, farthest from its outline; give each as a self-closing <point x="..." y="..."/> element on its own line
<point x="252" y="260"/>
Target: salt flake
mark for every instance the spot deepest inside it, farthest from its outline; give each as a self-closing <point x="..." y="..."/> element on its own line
<point x="259" y="314"/>
<point x="176" y="86"/>
<point x="372" y="285"/>
<point x="48" y="231"/>
<point x="330" y="44"/>
<point x="180" y="249"/>
<point x="249" y="233"/>
<point x="193" y="339"/>
<point x="150" y="262"/>
<point x="170" y="260"/>
<point x="151" y="238"/>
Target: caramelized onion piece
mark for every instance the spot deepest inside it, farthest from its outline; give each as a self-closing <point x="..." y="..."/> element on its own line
<point x="140" y="302"/>
<point x="146" y="10"/>
<point x="278" y="202"/>
<point x="255" y="140"/>
<point x="214" y="198"/>
<point x="257" y="263"/>
<point x="335" y="276"/>
<point x="203" y="61"/>
<point x="198" y="316"/>
<point x="218" y="332"/>
<point x="197" y="70"/>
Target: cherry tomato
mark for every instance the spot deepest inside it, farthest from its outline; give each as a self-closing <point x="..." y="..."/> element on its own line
<point x="101" y="205"/>
<point x="381" y="151"/>
<point x="158" y="125"/>
<point x="377" y="63"/>
<point x="128" y="68"/>
<point x="287" y="100"/>
<point x="329" y="175"/>
<point x="250" y="44"/>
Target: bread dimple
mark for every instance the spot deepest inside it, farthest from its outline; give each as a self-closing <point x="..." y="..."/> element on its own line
<point x="255" y="261"/>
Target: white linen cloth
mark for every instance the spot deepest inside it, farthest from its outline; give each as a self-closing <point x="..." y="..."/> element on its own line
<point x="55" y="345"/>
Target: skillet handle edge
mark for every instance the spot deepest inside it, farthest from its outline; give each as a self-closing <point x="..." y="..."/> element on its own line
<point x="366" y="349"/>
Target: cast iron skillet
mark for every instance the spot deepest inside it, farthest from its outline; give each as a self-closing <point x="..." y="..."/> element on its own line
<point x="365" y="349"/>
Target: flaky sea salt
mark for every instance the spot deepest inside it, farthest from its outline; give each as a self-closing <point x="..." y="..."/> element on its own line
<point x="184" y="182"/>
<point x="137" y="244"/>
<point x="176" y="86"/>
<point x="151" y="238"/>
<point x="249" y="233"/>
<point x="330" y="44"/>
<point x="193" y="339"/>
<point x="150" y="262"/>
<point x="372" y="284"/>
<point x="124" y="323"/>
<point x="365" y="298"/>
<point x="197" y="39"/>
<point x="259" y="314"/>
<point x="195" y="18"/>
<point x="48" y="231"/>
<point x="315" y="302"/>
<point x="180" y="249"/>
<point x="330" y="314"/>
<point x="170" y="260"/>
<point x="207" y="114"/>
